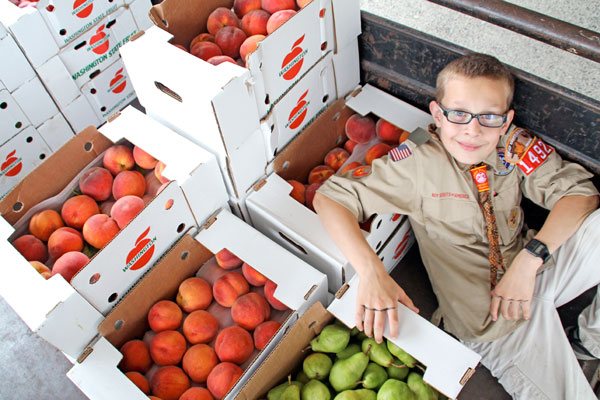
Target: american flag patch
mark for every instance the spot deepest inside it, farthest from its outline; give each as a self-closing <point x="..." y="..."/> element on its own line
<point x="400" y="153"/>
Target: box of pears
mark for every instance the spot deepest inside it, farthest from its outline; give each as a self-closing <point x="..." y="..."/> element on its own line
<point x="324" y="357"/>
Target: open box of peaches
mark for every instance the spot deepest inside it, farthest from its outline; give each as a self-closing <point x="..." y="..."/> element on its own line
<point x="343" y="136"/>
<point x="61" y="220"/>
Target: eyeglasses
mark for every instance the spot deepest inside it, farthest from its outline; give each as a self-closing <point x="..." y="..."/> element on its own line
<point x="464" y="117"/>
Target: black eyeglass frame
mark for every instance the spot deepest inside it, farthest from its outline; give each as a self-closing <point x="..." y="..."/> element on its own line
<point x="445" y="111"/>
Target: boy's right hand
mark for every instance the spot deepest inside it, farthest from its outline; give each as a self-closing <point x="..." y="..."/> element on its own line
<point x="377" y="300"/>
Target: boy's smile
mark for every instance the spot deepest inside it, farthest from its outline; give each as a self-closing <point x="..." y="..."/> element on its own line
<point x="471" y="143"/>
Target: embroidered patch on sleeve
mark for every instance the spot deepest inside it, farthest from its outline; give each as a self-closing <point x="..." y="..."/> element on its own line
<point x="518" y="142"/>
<point x="360" y="172"/>
<point x="400" y="153"/>
<point x="535" y="156"/>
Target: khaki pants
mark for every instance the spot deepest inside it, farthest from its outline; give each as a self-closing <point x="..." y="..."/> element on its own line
<point x="536" y="360"/>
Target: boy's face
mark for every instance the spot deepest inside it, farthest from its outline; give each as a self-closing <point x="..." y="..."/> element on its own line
<point x="471" y="143"/>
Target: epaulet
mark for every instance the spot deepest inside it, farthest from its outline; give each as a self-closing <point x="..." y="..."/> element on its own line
<point x="403" y="151"/>
<point x="419" y="136"/>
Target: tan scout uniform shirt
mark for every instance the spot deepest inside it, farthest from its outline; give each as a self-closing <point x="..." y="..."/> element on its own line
<point x="440" y="198"/>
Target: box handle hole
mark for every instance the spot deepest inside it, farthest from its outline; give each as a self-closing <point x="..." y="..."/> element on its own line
<point x="163" y="88"/>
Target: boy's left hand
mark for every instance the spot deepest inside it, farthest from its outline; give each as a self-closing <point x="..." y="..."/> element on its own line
<point x="512" y="295"/>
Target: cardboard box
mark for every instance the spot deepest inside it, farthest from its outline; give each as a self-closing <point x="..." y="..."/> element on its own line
<point x="35" y="101"/>
<point x="20" y="155"/>
<point x="56" y="131"/>
<point x="299" y="286"/>
<point x="449" y="364"/>
<point x="12" y="117"/>
<point x="166" y="218"/>
<point x="80" y="114"/>
<point x="294" y="226"/>
<point x="15" y="69"/>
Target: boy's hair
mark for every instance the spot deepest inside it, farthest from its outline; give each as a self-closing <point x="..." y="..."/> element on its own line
<point x="475" y="65"/>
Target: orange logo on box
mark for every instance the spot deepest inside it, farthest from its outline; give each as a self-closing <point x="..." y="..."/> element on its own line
<point x="83" y="8"/>
<point x="292" y="62"/>
<point x="118" y="83"/>
<point x="401" y="246"/>
<point x="298" y="112"/>
<point x="99" y="42"/>
<point x="141" y="253"/>
<point x="12" y="165"/>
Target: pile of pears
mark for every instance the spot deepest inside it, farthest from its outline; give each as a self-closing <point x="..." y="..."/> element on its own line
<point x="345" y="364"/>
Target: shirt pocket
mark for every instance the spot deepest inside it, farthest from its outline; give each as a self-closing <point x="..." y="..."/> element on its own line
<point x="509" y="215"/>
<point x="451" y="220"/>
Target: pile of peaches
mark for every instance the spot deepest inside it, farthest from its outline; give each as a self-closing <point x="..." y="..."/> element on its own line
<point x="375" y="138"/>
<point x="61" y="240"/>
<point x="187" y="354"/>
<point x="232" y="34"/>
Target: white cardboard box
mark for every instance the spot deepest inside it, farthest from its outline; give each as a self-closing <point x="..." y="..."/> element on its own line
<point x="12" y="117"/>
<point x="56" y="131"/>
<point x="14" y="68"/>
<point x="35" y="101"/>
<point x="80" y="114"/>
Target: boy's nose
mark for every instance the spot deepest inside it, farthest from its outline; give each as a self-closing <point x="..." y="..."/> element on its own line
<point x="473" y="127"/>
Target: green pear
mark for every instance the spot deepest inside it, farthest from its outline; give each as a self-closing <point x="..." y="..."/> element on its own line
<point x="348" y="351"/>
<point x="302" y="377"/>
<point x="393" y="389"/>
<point x="317" y="366"/>
<point x="276" y="392"/>
<point x="395" y="372"/>
<point x="346" y="374"/>
<point x="403" y="356"/>
<point x="292" y="392"/>
<point x="332" y="339"/>
<point x="360" y="394"/>
<point x="374" y="376"/>
<point x="421" y="389"/>
<point x="378" y="353"/>
<point x="354" y="331"/>
<point x="361" y="336"/>
<point x="315" y="390"/>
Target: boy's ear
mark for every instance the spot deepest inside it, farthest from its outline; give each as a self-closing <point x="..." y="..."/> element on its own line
<point x="509" y="117"/>
<point x="436" y="112"/>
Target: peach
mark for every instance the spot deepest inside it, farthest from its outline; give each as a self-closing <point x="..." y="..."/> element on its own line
<point x="234" y="344"/>
<point x="253" y="276"/>
<point x="249" y="45"/>
<point x="152" y="184"/>
<point x="181" y="47"/>
<point x="169" y="383"/>
<point x="96" y="182"/>
<point x="78" y="209"/>
<point x="320" y="173"/>
<point x="42" y="269"/>
<point x="139" y="380"/>
<point x="203" y="37"/>
<point x="69" y="264"/>
<point x="227" y="260"/>
<point x="200" y="326"/>
<point x="198" y="361"/>
<point x="216" y="60"/>
<point x="310" y="194"/>
<point x="63" y="240"/>
<point x="196" y="393"/>
<point x="336" y="158"/>
<point x="106" y="206"/>
<point x="125" y="209"/>
<point x="387" y="132"/>
<point x="350" y="145"/>
<point x="230" y="39"/>
<point x="222" y="378"/>
<point x="31" y="248"/>
<point x="129" y="183"/>
<point x="118" y="158"/>
<point x="194" y="294"/>
<point x="270" y="287"/>
<point x="279" y="18"/>
<point x="350" y="166"/>
<point x="158" y="170"/>
<point x="360" y="129"/>
<point x="167" y="347"/>
<point x="264" y="332"/>
<point x="229" y="287"/>
<point x="298" y="190"/>
<point x="43" y="223"/>
<point x="403" y="137"/>
<point x="100" y="229"/>
<point x="143" y="159"/>
<point x="250" y="310"/>
<point x="243" y="7"/>
<point x="219" y="18"/>
<point x="255" y="22"/>
<point x="376" y="151"/>
<point x="302" y="3"/>
<point x="136" y="356"/>
<point x="164" y="315"/>
<point x="206" y="50"/>
<point x="272" y="6"/>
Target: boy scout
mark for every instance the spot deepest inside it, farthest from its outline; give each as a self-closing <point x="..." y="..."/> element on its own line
<point x="461" y="185"/>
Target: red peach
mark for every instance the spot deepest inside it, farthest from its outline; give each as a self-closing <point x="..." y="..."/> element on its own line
<point x="164" y="315"/>
<point x="234" y="344"/>
<point x="253" y="276"/>
<point x="158" y="170"/>
<point x="31" y="248"/>
<point x="264" y="332"/>
<point x="206" y="50"/>
<point x="118" y="158"/>
<point x="152" y="184"/>
<point x="336" y="158"/>
<point x="376" y="151"/>
<point x="167" y="348"/>
<point x="387" y="131"/>
<point x="310" y="194"/>
<point x="69" y="264"/>
<point x="350" y="166"/>
<point x="136" y="356"/>
<point x="42" y="269"/>
<point x="197" y="393"/>
<point x="360" y="129"/>
<point x="298" y="190"/>
<point x="229" y="287"/>
<point x="222" y="378"/>
<point x="302" y="3"/>
<point x="270" y="287"/>
<point x="129" y="183"/>
<point x="272" y="6"/>
<point x="350" y="145"/>
<point x="106" y="206"/>
<point x="250" y="310"/>
<point x="255" y="22"/>
<point x="249" y="45"/>
<point x="203" y="37"/>
<point x="143" y="159"/>
<point x="100" y="229"/>
<point x="227" y="260"/>
<point x="230" y="39"/>
<point x="96" y="182"/>
<point x="220" y="18"/>
<point x="320" y="173"/>
<point x="78" y="209"/>
<point x="200" y="326"/>
<point x="63" y="240"/>
<point x="243" y="7"/>
<point x="216" y="60"/>
<point x="169" y="383"/>
<point x="198" y="361"/>
<point x="194" y="294"/>
<point x="403" y="137"/>
<point x="125" y="209"/>
<point x="43" y="223"/>
<point x="279" y="18"/>
<point x="139" y="380"/>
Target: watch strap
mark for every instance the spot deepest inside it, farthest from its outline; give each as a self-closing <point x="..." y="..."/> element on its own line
<point x="539" y="249"/>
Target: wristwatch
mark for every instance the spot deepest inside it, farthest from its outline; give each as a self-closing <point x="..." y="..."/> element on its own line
<point x="538" y="249"/>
